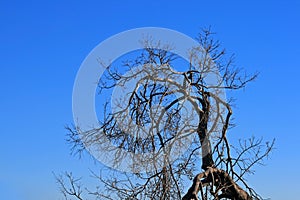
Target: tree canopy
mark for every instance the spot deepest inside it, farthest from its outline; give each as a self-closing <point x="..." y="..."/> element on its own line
<point x="174" y="123"/>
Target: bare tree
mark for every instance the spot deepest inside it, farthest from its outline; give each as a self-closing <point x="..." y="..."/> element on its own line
<point x="179" y="119"/>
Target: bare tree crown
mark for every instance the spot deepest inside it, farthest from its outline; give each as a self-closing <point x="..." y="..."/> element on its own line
<point x="148" y="120"/>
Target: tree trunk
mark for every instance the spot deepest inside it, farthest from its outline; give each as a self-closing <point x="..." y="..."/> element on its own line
<point x="219" y="179"/>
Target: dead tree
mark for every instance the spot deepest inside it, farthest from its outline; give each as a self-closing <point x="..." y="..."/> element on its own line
<point x="215" y="168"/>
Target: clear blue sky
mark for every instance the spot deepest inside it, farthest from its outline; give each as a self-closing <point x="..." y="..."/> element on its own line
<point x="42" y="45"/>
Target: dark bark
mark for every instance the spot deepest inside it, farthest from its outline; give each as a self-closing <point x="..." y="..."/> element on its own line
<point x="221" y="180"/>
<point x="207" y="160"/>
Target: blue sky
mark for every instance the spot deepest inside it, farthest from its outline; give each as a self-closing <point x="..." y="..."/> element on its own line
<point x="42" y="45"/>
